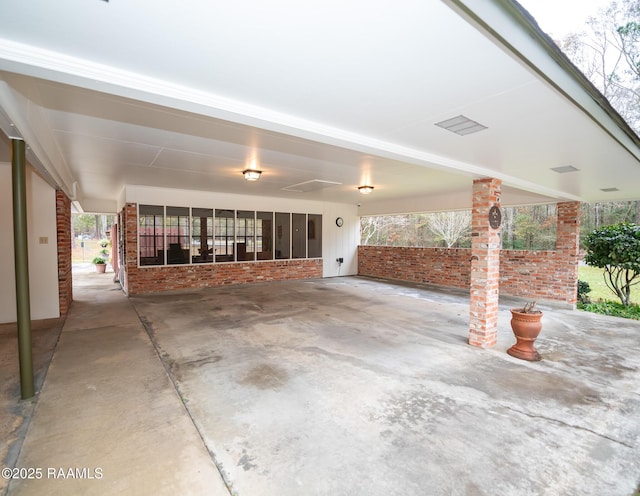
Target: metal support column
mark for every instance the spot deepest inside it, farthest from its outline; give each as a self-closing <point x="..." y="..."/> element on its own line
<point x="21" y="254"/>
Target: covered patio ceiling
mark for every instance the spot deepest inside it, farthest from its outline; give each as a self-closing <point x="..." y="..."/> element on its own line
<point x="322" y="96"/>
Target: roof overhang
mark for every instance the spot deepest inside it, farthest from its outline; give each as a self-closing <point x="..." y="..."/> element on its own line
<point x="109" y="94"/>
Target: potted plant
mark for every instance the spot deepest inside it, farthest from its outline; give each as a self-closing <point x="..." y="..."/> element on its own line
<point x="526" y="325"/>
<point x="100" y="263"/>
<point x="104" y="243"/>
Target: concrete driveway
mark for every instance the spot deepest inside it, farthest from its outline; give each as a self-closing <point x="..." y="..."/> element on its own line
<point x="351" y="386"/>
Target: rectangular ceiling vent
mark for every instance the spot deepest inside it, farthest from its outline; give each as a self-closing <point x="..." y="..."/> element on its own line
<point x="564" y="169"/>
<point x="309" y="186"/>
<point x="461" y="125"/>
<point x="609" y="190"/>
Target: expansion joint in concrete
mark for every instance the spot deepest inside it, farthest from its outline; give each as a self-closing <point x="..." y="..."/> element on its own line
<point x="571" y="426"/>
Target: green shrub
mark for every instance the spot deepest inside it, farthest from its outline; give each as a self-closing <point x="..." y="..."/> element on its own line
<point x="616" y="249"/>
<point x="98" y="261"/>
<point x="612" y="308"/>
<point x="583" y="290"/>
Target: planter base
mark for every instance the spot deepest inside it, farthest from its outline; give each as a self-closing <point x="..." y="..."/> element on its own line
<point x="527" y="352"/>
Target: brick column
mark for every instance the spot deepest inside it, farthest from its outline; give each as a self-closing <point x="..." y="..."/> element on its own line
<point x="568" y="248"/>
<point x="63" y="230"/>
<point x="485" y="265"/>
<point x="130" y="262"/>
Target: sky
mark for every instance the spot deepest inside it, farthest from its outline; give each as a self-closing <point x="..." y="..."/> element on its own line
<point x="560" y="17"/>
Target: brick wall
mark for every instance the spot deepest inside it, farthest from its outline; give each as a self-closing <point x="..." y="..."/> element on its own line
<point x="155" y="279"/>
<point x="63" y="229"/>
<point x="442" y="266"/>
<point x="542" y="275"/>
<point x="550" y="275"/>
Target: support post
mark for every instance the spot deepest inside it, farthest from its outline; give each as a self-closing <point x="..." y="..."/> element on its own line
<point x="21" y="256"/>
<point x="568" y="248"/>
<point x="485" y="265"/>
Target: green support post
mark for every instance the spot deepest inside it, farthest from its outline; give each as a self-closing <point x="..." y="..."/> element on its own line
<point x="21" y="254"/>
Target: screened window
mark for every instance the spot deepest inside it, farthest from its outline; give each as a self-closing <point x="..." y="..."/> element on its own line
<point x="283" y="235"/>
<point x="224" y="235"/>
<point x="170" y="235"/>
<point x="151" y="234"/>
<point x="177" y="231"/>
<point x="314" y="236"/>
<point x="202" y="235"/>
<point x="246" y="235"/>
<point x="299" y="235"/>
<point x="264" y="235"/>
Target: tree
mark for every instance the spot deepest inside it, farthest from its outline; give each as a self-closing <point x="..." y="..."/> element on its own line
<point x="608" y="53"/>
<point x="84" y="224"/>
<point x="616" y="249"/>
<point x="450" y="227"/>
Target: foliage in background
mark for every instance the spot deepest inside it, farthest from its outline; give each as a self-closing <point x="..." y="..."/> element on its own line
<point x="449" y="229"/>
<point x="607" y="51"/>
<point x="523" y="228"/>
<point x="616" y="249"/>
<point x="91" y="226"/>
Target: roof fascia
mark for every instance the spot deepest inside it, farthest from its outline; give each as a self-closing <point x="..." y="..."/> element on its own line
<point x="512" y="27"/>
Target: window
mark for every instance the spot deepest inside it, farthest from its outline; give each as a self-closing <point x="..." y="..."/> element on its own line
<point x="224" y="235"/>
<point x="299" y="236"/>
<point x="283" y="235"/>
<point x="151" y="232"/>
<point x="314" y="236"/>
<point x="170" y="235"/>
<point x="177" y="231"/>
<point x="245" y="235"/>
<point x="264" y="235"/>
<point x="202" y="235"/>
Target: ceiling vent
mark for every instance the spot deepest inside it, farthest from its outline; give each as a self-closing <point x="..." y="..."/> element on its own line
<point x="461" y="125"/>
<point x="609" y="190"/>
<point x="309" y="186"/>
<point x="564" y="169"/>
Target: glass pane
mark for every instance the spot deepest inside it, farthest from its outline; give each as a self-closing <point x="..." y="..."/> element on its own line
<point x="264" y="235"/>
<point x="299" y="235"/>
<point x="177" y="226"/>
<point x="151" y="234"/>
<point x="202" y="235"/>
<point x="224" y="235"/>
<point x="283" y="228"/>
<point x="314" y="235"/>
<point x="245" y="235"/>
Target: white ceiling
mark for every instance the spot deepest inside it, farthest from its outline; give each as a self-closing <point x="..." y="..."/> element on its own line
<point x="187" y="94"/>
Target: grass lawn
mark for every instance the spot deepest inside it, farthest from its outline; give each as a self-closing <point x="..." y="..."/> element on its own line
<point x="599" y="290"/>
<point x="87" y="252"/>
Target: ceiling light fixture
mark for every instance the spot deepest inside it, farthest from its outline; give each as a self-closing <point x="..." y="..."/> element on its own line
<point x="365" y="190"/>
<point x="251" y="174"/>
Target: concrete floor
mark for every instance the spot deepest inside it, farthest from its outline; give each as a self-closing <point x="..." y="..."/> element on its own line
<point x="344" y="386"/>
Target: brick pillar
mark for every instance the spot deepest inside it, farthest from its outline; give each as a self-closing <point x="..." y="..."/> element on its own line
<point x="63" y="230"/>
<point x="485" y="265"/>
<point x="568" y="248"/>
<point x="130" y="262"/>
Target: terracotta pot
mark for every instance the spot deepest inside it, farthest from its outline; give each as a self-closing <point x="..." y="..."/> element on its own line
<point x="526" y="327"/>
<point x="101" y="268"/>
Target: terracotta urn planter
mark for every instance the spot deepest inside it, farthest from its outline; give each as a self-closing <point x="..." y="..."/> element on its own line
<point x="526" y="325"/>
